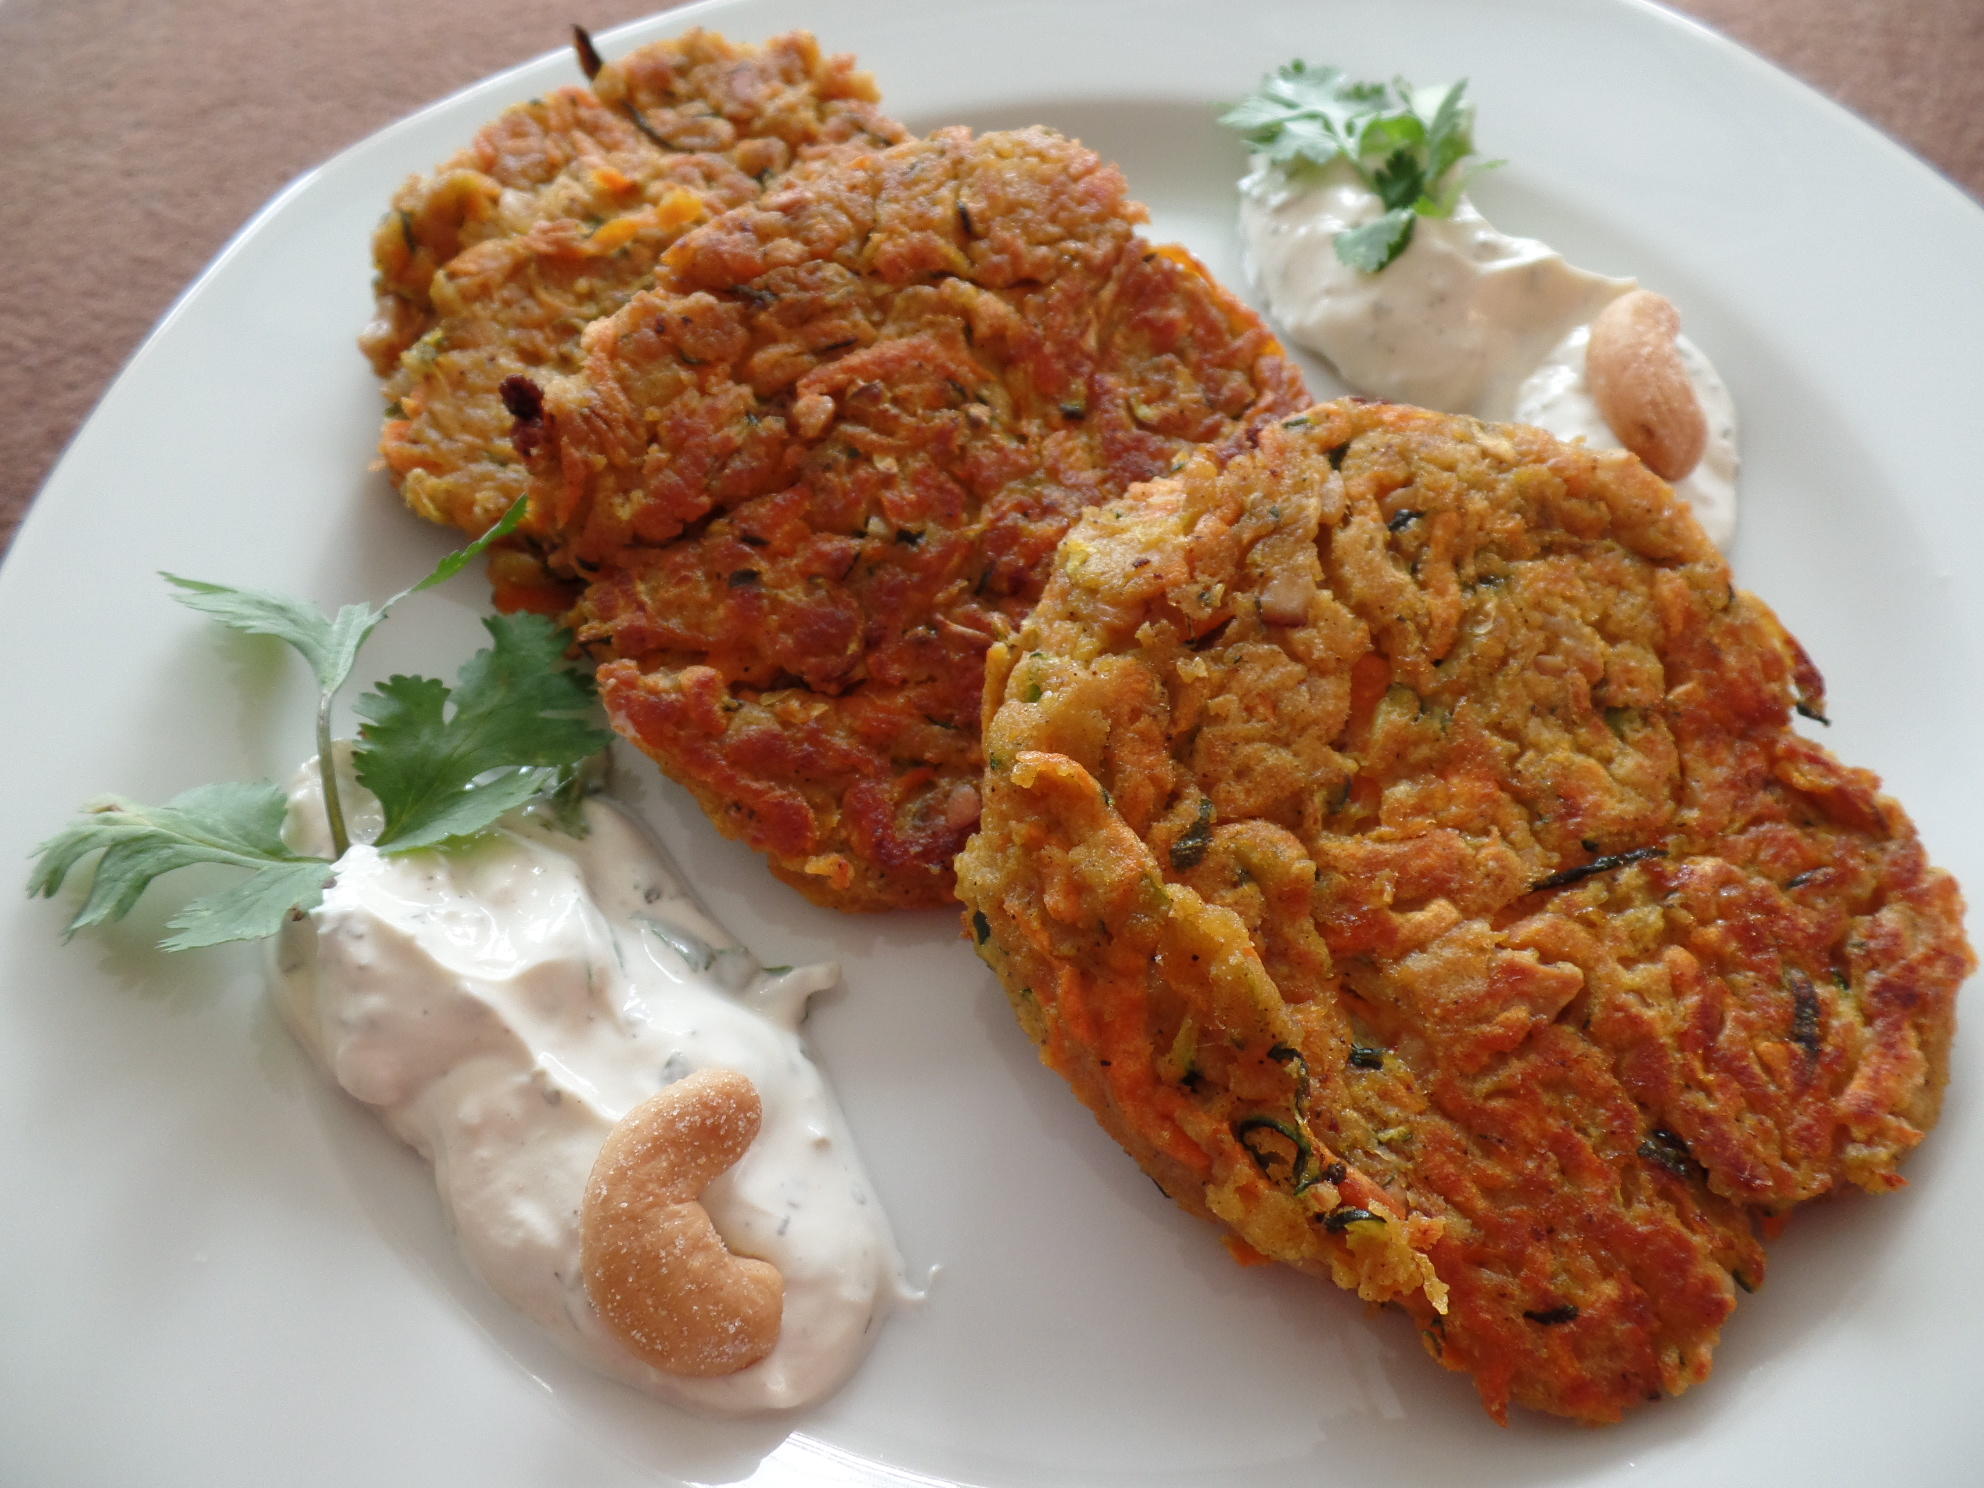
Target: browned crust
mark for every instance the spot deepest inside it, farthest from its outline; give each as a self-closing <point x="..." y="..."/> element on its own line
<point x="1294" y="779"/>
<point x="811" y="475"/>
<point x="554" y="215"/>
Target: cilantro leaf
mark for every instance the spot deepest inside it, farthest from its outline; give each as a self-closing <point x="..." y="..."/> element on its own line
<point x="258" y="612"/>
<point x="251" y="909"/>
<point x="233" y="824"/>
<point x="1387" y="134"/>
<point x="519" y="729"/>
<point x="329" y="644"/>
<point x="425" y="749"/>
<point x="1399" y="181"/>
<point x="456" y="561"/>
<point x="1302" y="117"/>
<point x="1299" y="113"/>
<point x="1449" y="138"/>
<point x="1374" y="244"/>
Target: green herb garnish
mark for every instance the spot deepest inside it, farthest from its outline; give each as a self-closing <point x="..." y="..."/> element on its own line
<point x="444" y="762"/>
<point x="447" y="762"/>
<point x="328" y="642"/>
<point x="1302" y="116"/>
<point x="239" y="825"/>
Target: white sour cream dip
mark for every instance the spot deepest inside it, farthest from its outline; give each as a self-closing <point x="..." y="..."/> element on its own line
<point x="1466" y="320"/>
<point x="504" y="1004"/>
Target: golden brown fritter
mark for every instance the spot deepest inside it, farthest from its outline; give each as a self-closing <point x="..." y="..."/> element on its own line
<point x="811" y="476"/>
<point x="1398" y="838"/>
<point x="554" y="215"/>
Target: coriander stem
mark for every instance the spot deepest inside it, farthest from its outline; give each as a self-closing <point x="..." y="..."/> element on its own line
<point x="327" y="770"/>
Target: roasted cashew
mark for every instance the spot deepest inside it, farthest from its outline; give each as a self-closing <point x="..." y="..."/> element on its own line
<point x="654" y="1265"/>
<point x="1641" y="386"/>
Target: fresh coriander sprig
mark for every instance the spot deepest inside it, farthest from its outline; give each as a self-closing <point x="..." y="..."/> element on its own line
<point x="236" y="824"/>
<point x="444" y="762"/>
<point x="447" y="762"/>
<point x="1301" y="114"/>
<point x="329" y="643"/>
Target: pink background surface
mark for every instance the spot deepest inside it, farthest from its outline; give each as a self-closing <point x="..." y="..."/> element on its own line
<point x="137" y="135"/>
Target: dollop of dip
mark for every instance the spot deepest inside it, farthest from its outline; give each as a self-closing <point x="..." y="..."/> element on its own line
<point x="1466" y="320"/>
<point x="502" y="1005"/>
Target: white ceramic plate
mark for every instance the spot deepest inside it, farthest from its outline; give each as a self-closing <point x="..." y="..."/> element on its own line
<point x="219" y="1272"/>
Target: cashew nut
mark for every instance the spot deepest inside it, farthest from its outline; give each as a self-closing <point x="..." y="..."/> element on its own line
<point x="1641" y="386"/>
<point x="654" y="1265"/>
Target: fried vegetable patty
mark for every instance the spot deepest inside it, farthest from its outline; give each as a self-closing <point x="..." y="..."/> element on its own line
<point x="1398" y="838"/>
<point x="811" y="476"/>
<point x="554" y="215"/>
